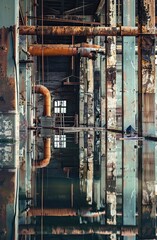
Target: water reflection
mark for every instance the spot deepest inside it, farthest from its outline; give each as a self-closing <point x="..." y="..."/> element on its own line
<point x="98" y="185"/>
<point x="104" y="182"/>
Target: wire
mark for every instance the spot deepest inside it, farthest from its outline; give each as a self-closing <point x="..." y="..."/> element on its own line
<point x="83" y="12"/>
<point x="15" y="65"/>
<point x="16" y="204"/>
<point x="42" y="171"/>
<point x="42" y="42"/>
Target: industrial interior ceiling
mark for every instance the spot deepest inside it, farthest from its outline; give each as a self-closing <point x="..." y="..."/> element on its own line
<point x="78" y="120"/>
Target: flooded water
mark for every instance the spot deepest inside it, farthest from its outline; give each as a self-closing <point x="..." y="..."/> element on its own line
<point x="98" y="185"/>
<point x="75" y="182"/>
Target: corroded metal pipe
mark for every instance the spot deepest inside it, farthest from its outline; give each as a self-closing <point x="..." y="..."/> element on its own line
<point x="47" y="98"/>
<point x="47" y="112"/>
<point x="47" y="155"/>
<point x="84" y="49"/>
<point x="79" y="31"/>
<point x="52" y="50"/>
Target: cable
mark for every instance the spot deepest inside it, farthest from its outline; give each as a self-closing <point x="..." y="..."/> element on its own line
<point x="42" y="171"/>
<point x="42" y="41"/>
<point x="15" y="65"/>
<point x="16" y="200"/>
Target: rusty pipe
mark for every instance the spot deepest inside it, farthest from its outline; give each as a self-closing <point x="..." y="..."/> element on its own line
<point x="52" y="50"/>
<point x="47" y="98"/>
<point x="47" y="155"/>
<point x="47" y="112"/>
<point x="79" y="31"/>
<point x="85" y="50"/>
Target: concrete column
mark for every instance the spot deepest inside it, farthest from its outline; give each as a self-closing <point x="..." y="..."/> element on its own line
<point x="146" y="68"/>
<point x="129" y="118"/>
<point x="129" y="77"/>
<point x="111" y="68"/>
<point x="9" y="119"/>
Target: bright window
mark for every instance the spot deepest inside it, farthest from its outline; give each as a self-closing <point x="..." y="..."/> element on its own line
<point x="60" y="141"/>
<point x="60" y="106"/>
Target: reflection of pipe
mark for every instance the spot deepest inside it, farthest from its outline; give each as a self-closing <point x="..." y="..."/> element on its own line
<point x="47" y="98"/>
<point x="85" y="50"/>
<point x="63" y="212"/>
<point x="47" y="155"/>
<point x="84" y="229"/>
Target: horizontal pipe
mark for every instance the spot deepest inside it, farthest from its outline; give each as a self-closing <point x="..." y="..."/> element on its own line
<point x="47" y="155"/>
<point x="85" y="50"/>
<point x="52" y="50"/>
<point x="47" y="98"/>
<point x="83" y="31"/>
<point x="78" y="31"/>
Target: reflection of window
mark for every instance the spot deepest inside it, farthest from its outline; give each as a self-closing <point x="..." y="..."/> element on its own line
<point x="60" y="141"/>
<point x="60" y="106"/>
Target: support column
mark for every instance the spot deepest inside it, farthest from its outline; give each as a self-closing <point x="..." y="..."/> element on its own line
<point x="146" y="68"/>
<point x="111" y="68"/>
<point x="9" y="118"/>
<point x="129" y="76"/>
<point x="146" y="120"/>
<point x="129" y="118"/>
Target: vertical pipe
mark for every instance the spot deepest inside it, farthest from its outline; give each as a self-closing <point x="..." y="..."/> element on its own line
<point x="72" y="58"/>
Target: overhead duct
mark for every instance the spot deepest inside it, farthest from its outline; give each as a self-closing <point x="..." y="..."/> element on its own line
<point x="47" y="113"/>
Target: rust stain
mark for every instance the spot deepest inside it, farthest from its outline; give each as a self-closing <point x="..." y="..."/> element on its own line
<point x="143" y="13"/>
<point x="148" y="60"/>
<point x="7" y="92"/>
<point x="4" y="47"/>
<point x="7" y="184"/>
<point x="111" y="74"/>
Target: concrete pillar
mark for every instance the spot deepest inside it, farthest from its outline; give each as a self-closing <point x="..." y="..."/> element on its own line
<point x="129" y="118"/>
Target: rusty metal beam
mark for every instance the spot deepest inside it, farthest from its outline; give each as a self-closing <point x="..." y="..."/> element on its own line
<point x="79" y="31"/>
<point x="100" y="7"/>
<point x="74" y="10"/>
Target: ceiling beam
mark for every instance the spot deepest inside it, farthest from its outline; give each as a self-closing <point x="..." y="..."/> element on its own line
<point x="100" y="6"/>
<point x="74" y="10"/>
